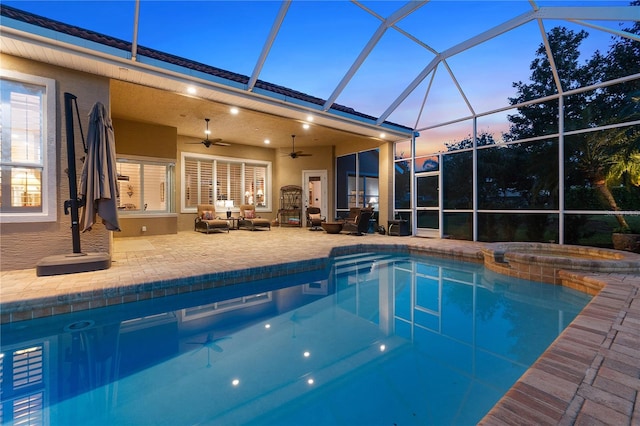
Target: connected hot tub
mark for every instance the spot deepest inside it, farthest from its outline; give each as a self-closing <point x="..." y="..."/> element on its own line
<point x="550" y="262"/>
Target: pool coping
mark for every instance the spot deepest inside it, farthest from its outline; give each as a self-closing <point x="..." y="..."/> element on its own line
<point x="108" y="295"/>
<point x="590" y="374"/>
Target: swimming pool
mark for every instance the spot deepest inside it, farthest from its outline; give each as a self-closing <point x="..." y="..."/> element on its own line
<point x="374" y="339"/>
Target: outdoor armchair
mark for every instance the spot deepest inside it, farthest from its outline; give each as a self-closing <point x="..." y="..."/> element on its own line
<point x="249" y="220"/>
<point x="206" y="220"/>
<point x="315" y="218"/>
<point x="360" y="224"/>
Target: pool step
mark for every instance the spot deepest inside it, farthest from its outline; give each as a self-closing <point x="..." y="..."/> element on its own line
<point x="361" y="261"/>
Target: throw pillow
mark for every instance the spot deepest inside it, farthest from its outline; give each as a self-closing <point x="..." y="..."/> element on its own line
<point x="250" y="214"/>
<point x="207" y="215"/>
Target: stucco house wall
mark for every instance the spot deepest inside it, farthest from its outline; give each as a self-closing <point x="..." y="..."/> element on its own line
<point x="145" y="140"/>
<point x="23" y="245"/>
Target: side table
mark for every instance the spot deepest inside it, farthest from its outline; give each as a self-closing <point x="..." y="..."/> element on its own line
<point x="399" y="228"/>
<point x="234" y="223"/>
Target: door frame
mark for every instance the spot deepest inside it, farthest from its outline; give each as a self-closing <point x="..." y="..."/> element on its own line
<point x="324" y="202"/>
<point x="428" y="232"/>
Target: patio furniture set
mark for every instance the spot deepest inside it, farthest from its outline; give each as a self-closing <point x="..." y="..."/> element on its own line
<point x="206" y="221"/>
<point x="356" y="223"/>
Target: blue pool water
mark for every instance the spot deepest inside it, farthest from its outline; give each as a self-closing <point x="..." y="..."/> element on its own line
<point x="376" y="339"/>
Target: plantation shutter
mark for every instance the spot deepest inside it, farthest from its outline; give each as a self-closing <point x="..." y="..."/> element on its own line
<point x="215" y="181"/>
<point x="249" y="184"/>
<point x="261" y="189"/>
<point x="235" y="184"/>
<point x="222" y="181"/>
<point x="206" y="182"/>
<point x="190" y="182"/>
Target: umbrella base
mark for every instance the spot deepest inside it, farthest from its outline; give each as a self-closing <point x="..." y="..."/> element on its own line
<point x="72" y="263"/>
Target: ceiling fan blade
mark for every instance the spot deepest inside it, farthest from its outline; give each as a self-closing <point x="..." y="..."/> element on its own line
<point x="295" y="154"/>
<point x="208" y="142"/>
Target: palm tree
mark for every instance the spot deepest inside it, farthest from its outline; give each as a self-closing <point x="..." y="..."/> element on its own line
<point x="599" y="159"/>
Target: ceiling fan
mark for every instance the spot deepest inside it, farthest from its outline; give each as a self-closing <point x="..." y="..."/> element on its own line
<point x="295" y="154"/>
<point x="208" y="142"/>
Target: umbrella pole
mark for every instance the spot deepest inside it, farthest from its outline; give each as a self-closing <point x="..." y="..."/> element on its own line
<point x="74" y="203"/>
<point x="77" y="261"/>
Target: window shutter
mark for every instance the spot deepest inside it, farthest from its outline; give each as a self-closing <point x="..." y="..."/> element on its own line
<point x="235" y="184"/>
<point x="249" y="184"/>
<point x="155" y="187"/>
<point x="190" y="182"/>
<point x="218" y="180"/>
<point x="261" y="187"/>
<point x="206" y="183"/>
<point x="222" y="181"/>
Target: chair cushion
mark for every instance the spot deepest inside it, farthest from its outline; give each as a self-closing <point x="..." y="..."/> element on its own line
<point x="249" y="214"/>
<point x="315" y="216"/>
<point x="207" y="215"/>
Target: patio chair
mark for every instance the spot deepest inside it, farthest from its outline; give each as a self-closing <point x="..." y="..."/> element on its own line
<point x="360" y="225"/>
<point x="249" y="220"/>
<point x="315" y="218"/>
<point x="206" y="220"/>
<point x="354" y="212"/>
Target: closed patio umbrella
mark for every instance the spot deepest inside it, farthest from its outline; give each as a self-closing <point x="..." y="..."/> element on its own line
<point x="98" y="184"/>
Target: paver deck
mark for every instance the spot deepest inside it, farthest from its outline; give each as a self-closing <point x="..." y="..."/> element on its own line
<point x="589" y="375"/>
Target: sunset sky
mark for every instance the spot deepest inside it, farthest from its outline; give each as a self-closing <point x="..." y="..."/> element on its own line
<point x="319" y="41"/>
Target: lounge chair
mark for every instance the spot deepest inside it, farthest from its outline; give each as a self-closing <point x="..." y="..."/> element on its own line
<point x="206" y="220"/>
<point x="361" y="223"/>
<point x="249" y="220"/>
<point x="315" y="218"/>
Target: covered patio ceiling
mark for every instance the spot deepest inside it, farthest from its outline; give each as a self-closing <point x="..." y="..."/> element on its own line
<point x="359" y="69"/>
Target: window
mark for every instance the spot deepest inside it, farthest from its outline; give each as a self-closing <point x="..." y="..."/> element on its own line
<point x="23" y="385"/>
<point x="145" y="186"/>
<point x="357" y="181"/>
<point x="225" y="182"/>
<point x="211" y="309"/>
<point x="27" y="139"/>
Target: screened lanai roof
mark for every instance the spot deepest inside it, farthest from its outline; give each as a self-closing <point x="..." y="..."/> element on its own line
<point x="389" y="66"/>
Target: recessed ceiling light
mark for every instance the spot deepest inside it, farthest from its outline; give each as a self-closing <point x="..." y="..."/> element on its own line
<point x="309" y="118"/>
<point x="234" y="110"/>
<point x="305" y="126"/>
<point x="382" y="135"/>
<point x="191" y="90"/>
<point x="267" y="141"/>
